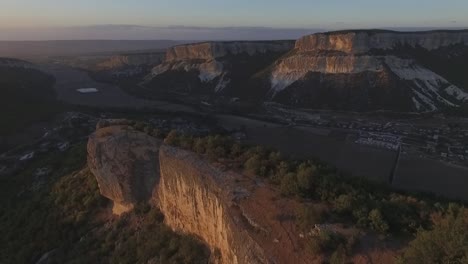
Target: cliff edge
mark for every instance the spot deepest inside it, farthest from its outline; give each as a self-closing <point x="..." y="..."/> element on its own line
<point x="232" y="213"/>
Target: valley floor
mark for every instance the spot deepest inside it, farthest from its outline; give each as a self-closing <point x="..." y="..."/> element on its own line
<point x="69" y="80"/>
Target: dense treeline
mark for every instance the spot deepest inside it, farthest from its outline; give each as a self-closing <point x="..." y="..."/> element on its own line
<point x="366" y="205"/>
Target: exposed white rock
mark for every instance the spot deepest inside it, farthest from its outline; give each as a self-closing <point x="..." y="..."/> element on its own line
<point x="432" y="87"/>
<point x="222" y="83"/>
<point x="204" y="58"/>
<point x="348" y="53"/>
<point x="456" y="92"/>
<point x="27" y="156"/>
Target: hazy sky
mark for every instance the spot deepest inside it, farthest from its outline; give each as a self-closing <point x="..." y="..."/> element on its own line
<point x="18" y="16"/>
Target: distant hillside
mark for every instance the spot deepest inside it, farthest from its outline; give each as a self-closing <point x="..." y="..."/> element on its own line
<point x="22" y="49"/>
<point x="353" y="70"/>
<point x="26" y="95"/>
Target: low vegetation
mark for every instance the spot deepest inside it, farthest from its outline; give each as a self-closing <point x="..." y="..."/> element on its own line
<point x="445" y="242"/>
<point x="68" y="218"/>
<point x="355" y="201"/>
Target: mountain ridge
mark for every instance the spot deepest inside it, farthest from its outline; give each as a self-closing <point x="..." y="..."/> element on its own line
<point x="350" y="70"/>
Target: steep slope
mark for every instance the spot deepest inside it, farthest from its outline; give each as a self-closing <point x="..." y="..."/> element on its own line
<point x="232" y="213"/>
<point x="213" y="67"/>
<point x="373" y="70"/>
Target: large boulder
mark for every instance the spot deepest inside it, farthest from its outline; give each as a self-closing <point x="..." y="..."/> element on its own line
<point x="125" y="164"/>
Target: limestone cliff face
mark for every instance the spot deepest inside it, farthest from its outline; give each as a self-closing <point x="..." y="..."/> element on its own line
<point x="233" y="214"/>
<point x="125" y="164"/>
<point x="365" y="41"/>
<point x="215" y="63"/>
<point x="373" y="69"/>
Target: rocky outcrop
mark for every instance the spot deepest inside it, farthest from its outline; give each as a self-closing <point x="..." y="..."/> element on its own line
<point x="125" y="164"/>
<point x="214" y="67"/>
<point x="232" y="213"/>
<point x="372" y="70"/>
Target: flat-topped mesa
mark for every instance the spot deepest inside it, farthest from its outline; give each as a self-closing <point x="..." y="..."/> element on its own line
<point x="213" y="50"/>
<point x="372" y="70"/>
<point x="241" y="220"/>
<point x="361" y="41"/>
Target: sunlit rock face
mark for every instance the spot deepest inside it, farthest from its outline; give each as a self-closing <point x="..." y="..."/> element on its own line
<point x="364" y="41"/>
<point x="214" y="67"/>
<point x="374" y="70"/>
<point x="241" y="220"/>
<point x="125" y="164"/>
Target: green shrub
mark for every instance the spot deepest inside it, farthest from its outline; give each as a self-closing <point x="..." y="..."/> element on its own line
<point x="344" y="203"/>
<point x="377" y="222"/>
<point x="330" y="241"/>
<point x="308" y="217"/>
<point x="199" y="146"/>
<point x="446" y="242"/>
<point x="326" y="242"/>
<point x="289" y="184"/>
<point x="253" y="164"/>
<point x="305" y="178"/>
<point x="367" y="204"/>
